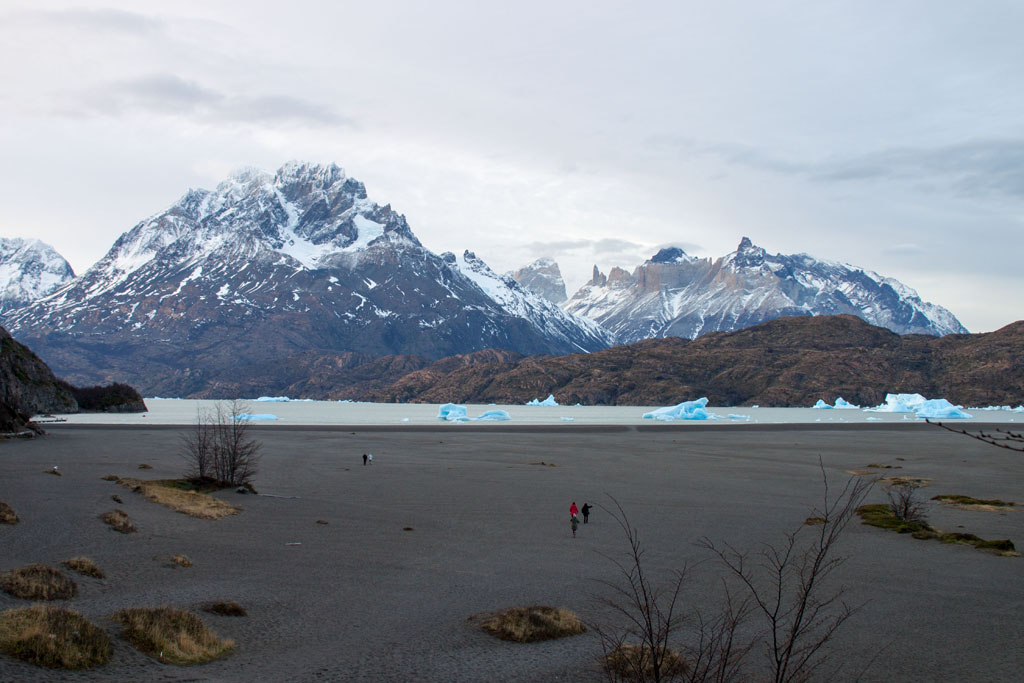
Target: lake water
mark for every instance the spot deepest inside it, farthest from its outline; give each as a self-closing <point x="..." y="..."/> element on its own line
<point x="183" y="411"/>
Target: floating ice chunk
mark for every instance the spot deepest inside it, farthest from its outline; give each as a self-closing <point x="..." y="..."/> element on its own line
<point x="873" y="419"/>
<point x="842" y="404"/>
<point x="452" y="412"/>
<point x="755" y="406"/>
<point x="549" y="401"/>
<point x="1019" y="409"/>
<point x="493" y="415"/>
<point x="567" y="419"/>
<point x="941" y="409"/>
<point x="821" y="405"/>
<point x="899" y="403"/>
<point x="405" y="419"/>
<point x="257" y="416"/>
<point x="737" y="416"/>
<point x="687" y="410"/>
<point x="273" y="399"/>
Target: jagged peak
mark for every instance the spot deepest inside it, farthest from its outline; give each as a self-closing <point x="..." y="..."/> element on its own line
<point x="670" y="255"/>
<point x="748" y="255"/>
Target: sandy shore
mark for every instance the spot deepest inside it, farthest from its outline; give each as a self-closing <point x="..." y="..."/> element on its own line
<point x="362" y="599"/>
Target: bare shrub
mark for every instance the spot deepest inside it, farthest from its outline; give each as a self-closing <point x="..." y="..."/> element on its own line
<point x="1003" y="438"/>
<point x="38" y="582"/>
<point x="904" y="502"/>
<point x="172" y="635"/>
<point x="53" y="637"/>
<point x="219" y="447"/>
<point x="84" y="566"/>
<point x="637" y="663"/>
<point x="532" y="624"/>
<point x="787" y="584"/>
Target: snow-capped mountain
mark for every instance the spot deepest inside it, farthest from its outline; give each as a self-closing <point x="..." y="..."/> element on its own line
<point x="273" y="265"/>
<point x="544" y="278"/>
<point x="674" y="294"/>
<point x="29" y="269"/>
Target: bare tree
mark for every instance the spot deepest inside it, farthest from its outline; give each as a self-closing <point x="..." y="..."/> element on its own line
<point x="219" y="449"/>
<point x="1002" y="438"/>
<point x="787" y="584"/>
<point x="640" y="645"/>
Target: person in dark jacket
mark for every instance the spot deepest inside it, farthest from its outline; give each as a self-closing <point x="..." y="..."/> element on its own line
<point x="586" y="511"/>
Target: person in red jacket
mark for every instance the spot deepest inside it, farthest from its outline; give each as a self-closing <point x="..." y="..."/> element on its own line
<point x="573" y="510"/>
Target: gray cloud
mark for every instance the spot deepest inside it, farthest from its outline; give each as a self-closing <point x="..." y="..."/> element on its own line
<point x="602" y="246"/>
<point x="169" y="94"/>
<point x="972" y="169"/>
<point x="904" y="250"/>
<point x="106" y="19"/>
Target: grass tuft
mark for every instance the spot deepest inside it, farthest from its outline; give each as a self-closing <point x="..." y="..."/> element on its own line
<point x="181" y="495"/>
<point x="532" y="624"/>
<point x="181" y="561"/>
<point x="38" y="582"/>
<point x="1000" y="547"/>
<point x="53" y="637"/>
<point x="7" y="514"/>
<point x="882" y="517"/>
<point x="322" y="521"/>
<point x="172" y="635"/>
<point x="144" y="466"/>
<point x="110" y="477"/>
<point x="118" y="521"/>
<point x="814" y="521"/>
<point x="225" y="608"/>
<point x="957" y="499"/>
<point x="84" y="566"/>
<point x="635" y="663"/>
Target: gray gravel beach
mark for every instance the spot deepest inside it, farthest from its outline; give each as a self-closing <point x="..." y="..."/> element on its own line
<point x="363" y="599"/>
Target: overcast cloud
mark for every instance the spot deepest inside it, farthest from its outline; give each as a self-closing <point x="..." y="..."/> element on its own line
<point x="889" y="135"/>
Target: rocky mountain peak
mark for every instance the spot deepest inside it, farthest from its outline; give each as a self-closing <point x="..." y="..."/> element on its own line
<point x="543" y="278"/>
<point x="670" y="255"/>
<point x="747" y="255"/>
<point x="29" y="269"/>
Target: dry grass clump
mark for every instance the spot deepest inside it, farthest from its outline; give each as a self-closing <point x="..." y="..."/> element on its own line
<point x="84" y="566"/>
<point x="814" y="521"/>
<point x="172" y="635"/>
<point x="53" y="637"/>
<point x="225" y="608"/>
<point x="918" y="482"/>
<point x="180" y="496"/>
<point x="635" y="663"/>
<point x="118" y="521"/>
<point x="532" y="624"/>
<point x="144" y="466"/>
<point x="7" y="514"/>
<point x="181" y="561"/>
<point x="879" y="466"/>
<point x="110" y="477"/>
<point x="38" y="582"/>
<point x="1002" y="547"/>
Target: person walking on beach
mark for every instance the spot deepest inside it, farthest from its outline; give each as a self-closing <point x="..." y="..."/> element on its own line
<point x="370" y="456"/>
<point x="574" y="523"/>
<point x="573" y="510"/>
<point x="364" y="459"/>
<point x="586" y="512"/>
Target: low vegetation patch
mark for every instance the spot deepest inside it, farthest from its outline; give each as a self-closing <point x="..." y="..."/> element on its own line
<point x="636" y="663"/>
<point x="973" y="503"/>
<point x="7" y="514"/>
<point x="532" y="624"/>
<point x="117" y="499"/>
<point x="225" y="608"/>
<point x="181" y="561"/>
<point x="144" y="466"/>
<point x="881" y="516"/>
<point x="38" y="582"/>
<point x="181" y="495"/>
<point x="118" y="521"/>
<point x="814" y="521"/>
<point x="880" y="467"/>
<point x="1003" y="547"/>
<point x="53" y="637"/>
<point x="917" y="482"/>
<point x="172" y="635"/>
<point x="84" y="566"/>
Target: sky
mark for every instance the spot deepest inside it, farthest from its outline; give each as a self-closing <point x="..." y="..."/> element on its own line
<point x="884" y="134"/>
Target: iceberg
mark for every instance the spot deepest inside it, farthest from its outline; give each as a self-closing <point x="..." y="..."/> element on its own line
<point x="549" y="401"/>
<point x="493" y="415"/>
<point x="257" y="416"/>
<point x="821" y="405"/>
<point x="687" y="410"/>
<point x="452" y="412"/>
<point x="737" y="416"/>
<point x="899" y="403"/>
<point x="941" y="409"/>
<point x="841" y="404"/>
<point x="273" y="399"/>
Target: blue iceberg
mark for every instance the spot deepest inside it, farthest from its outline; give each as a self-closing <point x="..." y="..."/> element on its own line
<point x="687" y="410"/>
<point x="549" y="401"/>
